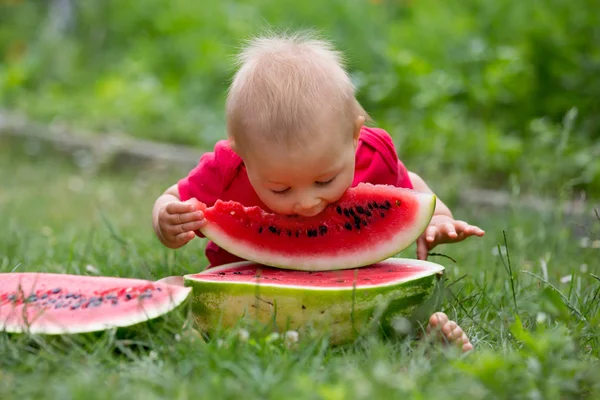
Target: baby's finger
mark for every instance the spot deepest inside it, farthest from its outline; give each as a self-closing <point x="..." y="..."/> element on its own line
<point x="184" y="237"/>
<point x="178" y="207"/>
<point x="422" y="248"/>
<point x="472" y="230"/>
<point x="178" y="219"/>
<point x="175" y="230"/>
<point x="450" y="231"/>
<point x="430" y="233"/>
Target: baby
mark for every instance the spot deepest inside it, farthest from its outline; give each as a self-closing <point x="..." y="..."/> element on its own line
<point x="296" y="141"/>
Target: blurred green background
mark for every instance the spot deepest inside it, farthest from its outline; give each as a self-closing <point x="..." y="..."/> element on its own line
<point x="504" y="93"/>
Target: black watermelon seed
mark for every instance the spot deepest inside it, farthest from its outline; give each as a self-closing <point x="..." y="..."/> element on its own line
<point x="370" y="206"/>
<point x="237" y="273"/>
<point x="322" y="230"/>
<point x="381" y="215"/>
<point x="297" y="234"/>
<point x="375" y="205"/>
<point x="260" y="229"/>
<point x="364" y="222"/>
<point x="348" y="226"/>
<point x="45" y="295"/>
<point x="357" y="223"/>
<point x="388" y="205"/>
<point x="56" y="290"/>
<point x="128" y="296"/>
<point x="360" y="210"/>
<point x="68" y="296"/>
<point x="75" y="306"/>
<point x="346" y="212"/>
<point x="221" y="273"/>
<point x="368" y="213"/>
<point x="339" y="210"/>
<point x="272" y="229"/>
<point x="289" y="232"/>
<point x="352" y="212"/>
<point x="159" y="289"/>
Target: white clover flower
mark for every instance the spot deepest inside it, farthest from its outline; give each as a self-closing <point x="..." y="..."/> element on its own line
<point x="541" y="317"/>
<point x="243" y="335"/>
<point x="92" y="270"/>
<point x="291" y="337"/>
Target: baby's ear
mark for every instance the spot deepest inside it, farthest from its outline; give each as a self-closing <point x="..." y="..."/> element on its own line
<point x="231" y="143"/>
<point x="358" y="124"/>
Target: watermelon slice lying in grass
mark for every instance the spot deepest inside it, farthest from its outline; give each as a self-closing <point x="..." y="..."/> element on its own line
<point x="342" y="302"/>
<point x="45" y="303"/>
<point x="368" y="224"/>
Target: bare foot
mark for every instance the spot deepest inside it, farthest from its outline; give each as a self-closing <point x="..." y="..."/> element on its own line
<point x="449" y="330"/>
<point x="172" y="280"/>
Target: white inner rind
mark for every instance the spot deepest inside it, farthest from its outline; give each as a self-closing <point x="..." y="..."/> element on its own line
<point x="430" y="269"/>
<point x="345" y="259"/>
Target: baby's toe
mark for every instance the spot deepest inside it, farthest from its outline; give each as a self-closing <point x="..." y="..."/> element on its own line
<point x="437" y="321"/>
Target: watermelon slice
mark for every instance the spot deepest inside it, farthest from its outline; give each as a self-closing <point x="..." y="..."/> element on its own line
<point x="368" y="224"/>
<point x="45" y="303"/>
<point x="344" y="302"/>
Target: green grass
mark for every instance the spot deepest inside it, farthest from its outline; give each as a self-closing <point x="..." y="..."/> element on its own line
<point x="533" y="339"/>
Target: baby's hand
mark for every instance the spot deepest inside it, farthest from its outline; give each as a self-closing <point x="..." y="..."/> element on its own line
<point x="444" y="229"/>
<point x="177" y="222"/>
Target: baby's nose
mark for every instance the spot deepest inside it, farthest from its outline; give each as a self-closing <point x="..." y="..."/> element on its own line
<point x="306" y="206"/>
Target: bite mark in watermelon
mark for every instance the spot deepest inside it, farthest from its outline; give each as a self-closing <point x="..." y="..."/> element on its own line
<point x="46" y="303"/>
<point x="342" y="302"/>
<point x="368" y="224"/>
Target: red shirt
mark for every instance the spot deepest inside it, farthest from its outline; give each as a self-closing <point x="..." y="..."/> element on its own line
<point x="221" y="174"/>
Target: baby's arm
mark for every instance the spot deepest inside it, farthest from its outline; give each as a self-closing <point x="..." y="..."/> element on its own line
<point x="175" y="221"/>
<point x="443" y="228"/>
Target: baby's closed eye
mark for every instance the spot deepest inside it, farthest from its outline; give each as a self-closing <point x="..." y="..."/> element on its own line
<point x="324" y="183"/>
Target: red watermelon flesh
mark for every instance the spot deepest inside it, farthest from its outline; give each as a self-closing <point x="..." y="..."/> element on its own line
<point x="46" y="303"/>
<point x="368" y="224"/>
<point x="380" y="274"/>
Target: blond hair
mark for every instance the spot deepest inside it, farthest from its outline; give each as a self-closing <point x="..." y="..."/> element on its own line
<point x="286" y="88"/>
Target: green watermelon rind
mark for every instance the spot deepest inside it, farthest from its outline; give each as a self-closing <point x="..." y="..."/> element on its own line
<point x="175" y="304"/>
<point x="344" y="312"/>
<point x="345" y="258"/>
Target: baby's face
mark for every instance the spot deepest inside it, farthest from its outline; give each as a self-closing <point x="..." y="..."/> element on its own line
<point x="303" y="181"/>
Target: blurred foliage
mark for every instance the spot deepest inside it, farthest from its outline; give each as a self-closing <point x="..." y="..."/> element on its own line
<point x="507" y="92"/>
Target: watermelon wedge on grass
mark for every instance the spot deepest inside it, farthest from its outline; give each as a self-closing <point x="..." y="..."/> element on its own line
<point x="344" y="303"/>
<point x="54" y="304"/>
<point x="368" y="224"/>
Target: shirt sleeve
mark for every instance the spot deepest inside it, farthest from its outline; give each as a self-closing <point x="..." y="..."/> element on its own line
<point x="377" y="161"/>
<point x="403" y="177"/>
<point x="205" y="181"/>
